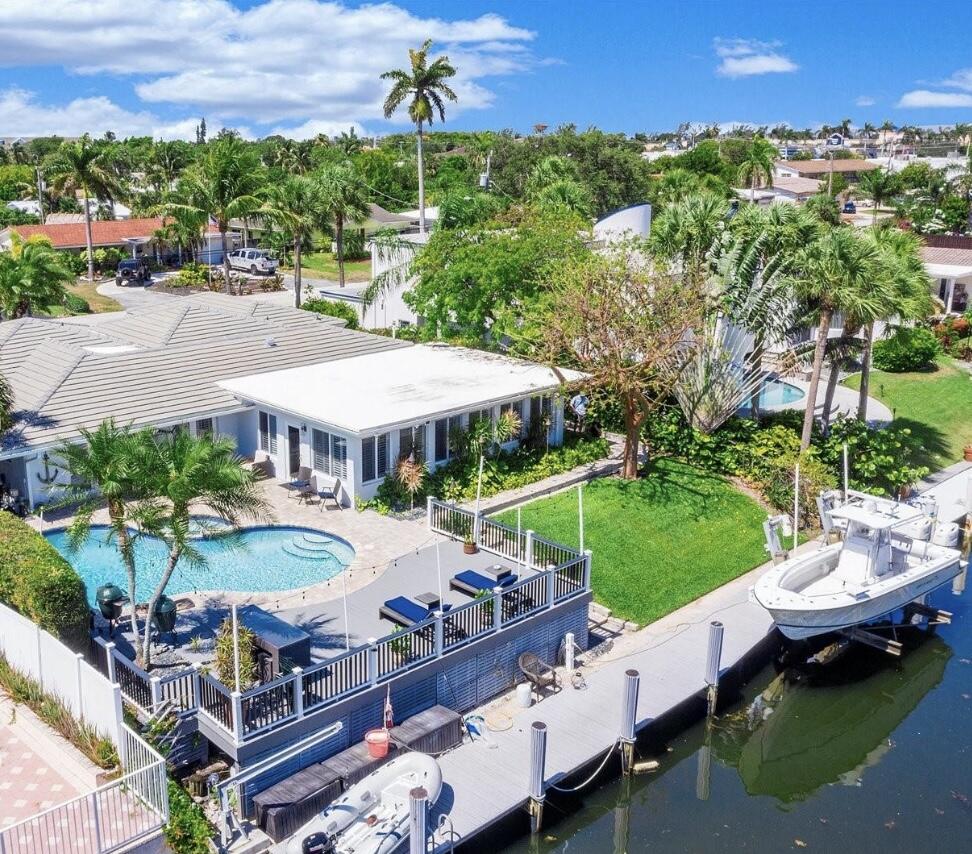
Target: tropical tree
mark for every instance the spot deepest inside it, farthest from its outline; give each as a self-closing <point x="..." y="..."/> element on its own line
<point x="6" y="404"/>
<point x="298" y="207"/>
<point x="879" y="186"/>
<point x="103" y="468"/>
<point x="225" y="183"/>
<point x="32" y="276"/>
<point x="424" y="86"/>
<point x="180" y="474"/>
<point x="834" y="273"/>
<point x="342" y="199"/>
<point x="82" y="166"/>
<point x="758" y="164"/>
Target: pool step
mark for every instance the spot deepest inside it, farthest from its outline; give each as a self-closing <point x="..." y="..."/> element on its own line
<point x="307" y="554"/>
<point x="312" y="546"/>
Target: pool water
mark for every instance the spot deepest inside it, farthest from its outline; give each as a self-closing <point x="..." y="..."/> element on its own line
<point x="256" y="560"/>
<point x="776" y="393"/>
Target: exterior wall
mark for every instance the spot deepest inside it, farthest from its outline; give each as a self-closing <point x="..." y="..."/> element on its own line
<point x="632" y="221"/>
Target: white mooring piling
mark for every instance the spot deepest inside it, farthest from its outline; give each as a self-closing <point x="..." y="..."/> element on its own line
<point x="713" y="663"/>
<point x="569" y="650"/>
<point x="418" y="810"/>
<point x="538" y="761"/>
<point x="629" y="715"/>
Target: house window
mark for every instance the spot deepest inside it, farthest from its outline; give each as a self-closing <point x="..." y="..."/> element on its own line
<point x="204" y="427"/>
<point x="339" y="456"/>
<point x="268" y="432"/>
<point x="441" y="440"/>
<point x="320" y="451"/>
<point x="522" y="407"/>
<point x="411" y="442"/>
<point x="374" y="457"/>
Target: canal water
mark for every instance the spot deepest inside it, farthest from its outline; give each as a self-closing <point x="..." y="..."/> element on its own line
<point x="867" y="754"/>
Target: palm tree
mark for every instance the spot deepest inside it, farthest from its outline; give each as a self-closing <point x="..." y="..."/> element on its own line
<point x="102" y="468"/>
<point x="879" y="186"/>
<point x="685" y="231"/>
<point x="32" y="276"/>
<point x="82" y="165"/>
<point x="6" y="404"/>
<point x="424" y="86"/>
<point x="182" y="473"/>
<point x="226" y="183"/>
<point x="834" y="273"/>
<point x="758" y="164"/>
<point x="299" y="207"/>
<point x="343" y="199"/>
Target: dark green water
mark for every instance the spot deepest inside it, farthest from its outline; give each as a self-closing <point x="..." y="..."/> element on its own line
<point x="866" y="755"/>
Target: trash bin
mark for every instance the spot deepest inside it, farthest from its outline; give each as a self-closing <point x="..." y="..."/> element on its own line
<point x="524" y="695"/>
<point x="165" y="615"/>
<point x="377" y="741"/>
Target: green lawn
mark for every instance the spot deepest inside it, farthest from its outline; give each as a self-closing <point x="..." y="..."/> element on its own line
<point x="323" y="265"/>
<point x="659" y="542"/>
<point x="936" y="405"/>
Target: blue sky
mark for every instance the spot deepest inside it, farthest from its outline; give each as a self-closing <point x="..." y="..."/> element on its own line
<point x="308" y="66"/>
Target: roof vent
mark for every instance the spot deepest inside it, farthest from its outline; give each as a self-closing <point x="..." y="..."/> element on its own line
<point x="270" y="342"/>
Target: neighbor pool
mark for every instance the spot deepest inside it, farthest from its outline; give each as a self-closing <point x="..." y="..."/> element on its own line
<point x="258" y="560"/>
<point x="775" y="393"/>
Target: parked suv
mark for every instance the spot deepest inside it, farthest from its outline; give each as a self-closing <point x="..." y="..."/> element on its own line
<point x="132" y="270"/>
<point x="253" y="261"/>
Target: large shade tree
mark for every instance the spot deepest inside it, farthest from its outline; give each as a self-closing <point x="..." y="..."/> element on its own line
<point x="423" y="85"/>
<point x="83" y="166"/>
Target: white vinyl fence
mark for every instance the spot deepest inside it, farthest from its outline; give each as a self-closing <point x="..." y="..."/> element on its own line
<point x="39" y="655"/>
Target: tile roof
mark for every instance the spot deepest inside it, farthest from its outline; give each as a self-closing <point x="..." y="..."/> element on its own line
<point x="947" y="256"/>
<point x="70" y="235"/>
<point x="797" y="185"/>
<point x="822" y="167"/>
<point x="154" y="365"/>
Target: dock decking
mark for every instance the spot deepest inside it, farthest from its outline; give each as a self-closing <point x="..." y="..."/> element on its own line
<point x="484" y="781"/>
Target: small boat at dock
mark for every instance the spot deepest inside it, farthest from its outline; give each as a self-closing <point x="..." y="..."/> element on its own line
<point x="372" y="816"/>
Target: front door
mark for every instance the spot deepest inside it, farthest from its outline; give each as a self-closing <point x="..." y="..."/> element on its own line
<point x="293" y="451"/>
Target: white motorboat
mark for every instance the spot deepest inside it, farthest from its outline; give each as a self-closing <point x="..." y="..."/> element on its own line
<point x="882" y="564"/>
<point x="372" y="816"/>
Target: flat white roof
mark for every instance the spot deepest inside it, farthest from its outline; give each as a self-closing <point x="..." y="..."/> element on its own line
<point x="947" y="271"/>
<point x="369" y="393"/>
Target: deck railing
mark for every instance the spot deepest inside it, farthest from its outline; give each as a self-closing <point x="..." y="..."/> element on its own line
<point x="553" y="574"/>
<point x="111" y="818"/>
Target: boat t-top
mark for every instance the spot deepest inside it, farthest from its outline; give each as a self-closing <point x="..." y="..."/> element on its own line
<point x="887" y="558"/>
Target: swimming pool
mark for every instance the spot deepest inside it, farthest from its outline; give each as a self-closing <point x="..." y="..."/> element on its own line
<point x="259" y="560"/>
<point x="775" y="393"/>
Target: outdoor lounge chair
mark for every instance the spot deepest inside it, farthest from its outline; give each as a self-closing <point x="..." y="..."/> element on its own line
<point x="404" y="612"/>
<point x="541" y="676"/>
<point x="333" y="492"/>
<point x="300" y="482"/>
<point x="472" y="583"/>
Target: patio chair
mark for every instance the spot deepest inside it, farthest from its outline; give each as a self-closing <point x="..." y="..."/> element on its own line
<point x="473" y="583"/>
<point x="299" y="483"/>
<point x="541" y="676"/>
<point x="333" y="492"/>
<point x="406" y="613"/>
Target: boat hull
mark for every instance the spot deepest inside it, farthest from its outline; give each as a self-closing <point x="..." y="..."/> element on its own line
<point x="800" y="623"/>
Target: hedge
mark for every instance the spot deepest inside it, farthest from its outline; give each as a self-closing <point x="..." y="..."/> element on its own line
<point x="40" y="584"/>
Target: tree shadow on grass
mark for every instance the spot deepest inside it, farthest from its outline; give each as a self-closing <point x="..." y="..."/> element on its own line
<point x="932" y="444"/>
<point x="668" y="482"/>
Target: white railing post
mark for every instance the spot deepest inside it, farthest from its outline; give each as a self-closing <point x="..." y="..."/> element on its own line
<point x="109" y="649"/>
<point x="298" y="674"/>
<point x="372" y="660"/>
<point x="116" y="700"/>
<point x="587" y="569"/>
<point x="237" y="715"/>
<point x="477" y="527"/>
<point x="428" y="511"/>
<point x="97" y="821"/>
<point x="196" y="685"/>
<point x="78" y="687"/>
<point x="529" y="549"/>
<point x="551" y="587"/>
<point x="497" y="608"/>
<point x="439" y="634"/>
<point x="37" y="647"/>
<point x="155" y="686"/>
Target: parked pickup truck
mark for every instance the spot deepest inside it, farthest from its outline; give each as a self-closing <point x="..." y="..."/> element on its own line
<point x="253" y="261"/>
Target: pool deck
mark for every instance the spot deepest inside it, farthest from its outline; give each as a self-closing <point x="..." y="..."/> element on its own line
<point x="845" y="402"/>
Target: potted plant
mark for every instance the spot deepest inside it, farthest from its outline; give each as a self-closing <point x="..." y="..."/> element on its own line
<point x="401" y="645"/>
<point x="469" y="546"/>
<point x="967" y="452"/>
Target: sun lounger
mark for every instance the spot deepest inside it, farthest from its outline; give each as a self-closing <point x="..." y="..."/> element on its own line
<point x="472" y="583"/>
<point x="404" y="612"/>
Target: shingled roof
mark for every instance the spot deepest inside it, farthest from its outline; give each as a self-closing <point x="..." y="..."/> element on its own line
<point x="70" y="235"/>
<point x="157" y="366"/>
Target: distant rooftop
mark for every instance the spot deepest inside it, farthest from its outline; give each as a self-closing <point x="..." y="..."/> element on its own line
<point x="822" y="167"/>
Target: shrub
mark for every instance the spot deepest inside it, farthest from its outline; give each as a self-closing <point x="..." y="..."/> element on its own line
<point x="192" y="275"/>
<point x="76" y="262"/>
<point x="907" y="350"/>
<point x="333" y="308"/>
<point x="878" y="458"/>
<point x="40" y="584"/>
<point x="76" y="305"/>
<point x="225" y="663"/>
<point x="187" y="832"/>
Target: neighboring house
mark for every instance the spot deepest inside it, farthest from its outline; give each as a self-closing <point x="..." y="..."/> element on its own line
<point x="191" y="364"/>
<point x="25" y="206"/>
<point x="623" y="223"/>
<point x="950" y="270"/>
<point x="818" y="169"/>
<point x="787" y="190"/>
<point x="126" y="234"/>
<point x="63" y="218"/>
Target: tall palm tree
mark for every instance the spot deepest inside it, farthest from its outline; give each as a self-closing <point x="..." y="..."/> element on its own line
<point x="757" y="165"/>
<point x="901" y="266"/>
<point x="102" y="468"/>
<point x="82" y="165"/>
<point x="226" y="183"/>
<point x="424" y="86"/>
<point x="879" y="186"/>
<point x="343" y="199"/>
<point x="834" y="273"/>
<point x="32" y="276"/>
<point x="181" y="474"/>
<point x="298" y="203"/>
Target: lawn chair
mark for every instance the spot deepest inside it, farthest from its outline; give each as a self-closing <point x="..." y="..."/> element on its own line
<point x="541" y="676"/>
<point x="299" y="484"/>
<point x="473" y="583"/>
<point x="333" y="492"/>
<point x="405" y="613"/>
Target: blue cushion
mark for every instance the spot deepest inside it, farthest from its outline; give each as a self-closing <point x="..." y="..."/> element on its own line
<point x="483" y="582"/>
<point x="407" y="608"/>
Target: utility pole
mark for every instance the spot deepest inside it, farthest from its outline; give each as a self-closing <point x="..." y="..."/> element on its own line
<point x="40" y="192"/>
<point x="830" y="174"/>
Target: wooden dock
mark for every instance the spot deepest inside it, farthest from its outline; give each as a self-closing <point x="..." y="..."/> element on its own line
<point x="485" y="781"/>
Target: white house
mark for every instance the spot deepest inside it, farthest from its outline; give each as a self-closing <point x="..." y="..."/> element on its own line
<point x="950" y="271"/>
<point x="290" y="386"/>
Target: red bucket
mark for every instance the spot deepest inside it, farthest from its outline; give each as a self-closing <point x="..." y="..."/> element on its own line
<point x="378" y="741"/>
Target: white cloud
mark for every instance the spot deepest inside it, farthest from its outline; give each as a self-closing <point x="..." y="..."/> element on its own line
<point x="961" y="79"/>
<point x="927" y="98"/>
<point x="750" y="57"/>
<point x="864" y="101"/>
<point x="312" y="127"/>
<point x="283" y="62"/>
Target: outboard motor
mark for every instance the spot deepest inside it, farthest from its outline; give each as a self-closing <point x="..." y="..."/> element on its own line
<point x="826" y="502"/>
<point x="773" y="528"/>
<point x="318" y="843"/>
